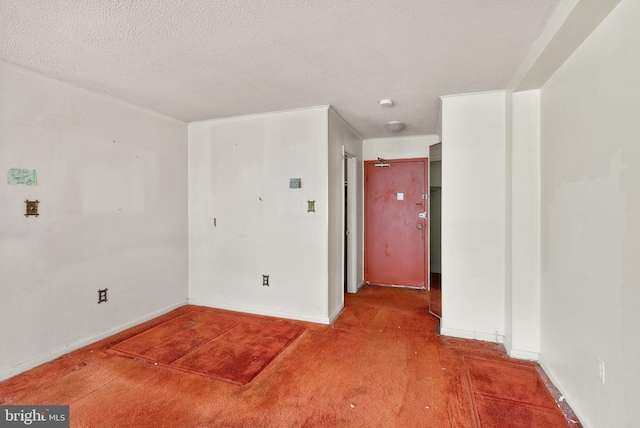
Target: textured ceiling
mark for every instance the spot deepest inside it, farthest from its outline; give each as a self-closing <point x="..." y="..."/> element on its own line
<point x="203" y="59"/>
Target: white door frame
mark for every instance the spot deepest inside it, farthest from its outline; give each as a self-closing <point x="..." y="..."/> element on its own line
<point x="350" y="229"/>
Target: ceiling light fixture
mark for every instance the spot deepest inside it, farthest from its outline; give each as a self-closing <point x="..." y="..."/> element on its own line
<point x="386" y="103"/>
<point x="394" y="126"/>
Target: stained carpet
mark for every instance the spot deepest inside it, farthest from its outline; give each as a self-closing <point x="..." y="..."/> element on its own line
<point x="379" y="365"/>
<point x="511" y="394"/>
<point x="211" y="344"/>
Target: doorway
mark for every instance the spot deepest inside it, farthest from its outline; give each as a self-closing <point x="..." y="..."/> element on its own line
<point x="350" y="223"/>
<point x="396" y="226"/>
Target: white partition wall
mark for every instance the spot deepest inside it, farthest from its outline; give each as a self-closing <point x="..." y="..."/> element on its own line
<point x="522" y="320"/>
<point x="245" y="221"/>
<point x="473" y="216"/>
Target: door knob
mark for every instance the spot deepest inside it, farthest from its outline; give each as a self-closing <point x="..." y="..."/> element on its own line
<point x="420" y="225"/>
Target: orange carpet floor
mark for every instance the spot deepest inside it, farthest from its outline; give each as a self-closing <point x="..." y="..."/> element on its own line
<point x="380" y="365"/>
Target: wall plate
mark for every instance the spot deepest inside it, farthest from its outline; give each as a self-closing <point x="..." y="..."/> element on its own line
<point x="102" y="295"/>
<point x="32" y="208"/>
<point x="295" y="183"/>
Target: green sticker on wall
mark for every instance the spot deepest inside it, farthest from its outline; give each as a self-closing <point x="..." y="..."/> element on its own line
<point x="17" y="176"/>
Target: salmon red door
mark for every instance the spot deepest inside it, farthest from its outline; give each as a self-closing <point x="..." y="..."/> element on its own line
<point x="396" y="222"/>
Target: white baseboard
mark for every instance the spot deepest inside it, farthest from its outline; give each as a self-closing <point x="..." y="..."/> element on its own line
<point x="28" y="365"/>
<point x="507" y="344"/>
<point x="475" y="335"/>
<point x="524" y="355"/>
<point x="260" y="311"/>
<point x="358" y="287"/>
<point x="336" y="313"/>
<point x="553" y="377"/>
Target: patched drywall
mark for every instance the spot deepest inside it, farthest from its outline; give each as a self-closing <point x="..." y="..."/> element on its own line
<point x="111" y="181"/>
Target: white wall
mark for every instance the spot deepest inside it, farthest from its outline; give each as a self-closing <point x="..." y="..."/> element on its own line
<point x="523" y="302"/>
<point x="590" y="222"/>
<point x="399" y="147"/>
<point x="239" y="171"/>
<point x="342" y="138"/>
<point x="112" y="192"/>
<point x="473" y="215"/>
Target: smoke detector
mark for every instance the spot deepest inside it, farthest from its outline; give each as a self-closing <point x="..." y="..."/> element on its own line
<point x="386" y="103"/>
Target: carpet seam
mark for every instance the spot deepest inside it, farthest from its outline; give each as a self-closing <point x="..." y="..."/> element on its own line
<point x="514" y="401"/>
<point x="474" y="405"/>
<point x="278" y="354"/>
<point x="204" y="344"/>
<point x="147" y="329"/>
<point x="92" y="391"/>
<point x="233" y="381"/>
<point x="532" y="368"/>
<point x="172" y="365"/>
<point x="189" y="309"/>
<point x="195" y="309"/>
